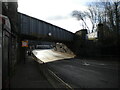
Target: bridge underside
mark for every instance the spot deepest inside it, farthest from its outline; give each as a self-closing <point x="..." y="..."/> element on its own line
<point x="42" y="38"/>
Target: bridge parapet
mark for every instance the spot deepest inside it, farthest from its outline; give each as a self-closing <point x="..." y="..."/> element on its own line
<point x="33" y="27"/>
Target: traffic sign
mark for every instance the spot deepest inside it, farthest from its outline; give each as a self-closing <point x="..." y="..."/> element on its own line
<point x="24" y="43"/>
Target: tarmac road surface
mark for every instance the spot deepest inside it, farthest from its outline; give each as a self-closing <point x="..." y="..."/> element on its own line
<point x="81" y="73"/>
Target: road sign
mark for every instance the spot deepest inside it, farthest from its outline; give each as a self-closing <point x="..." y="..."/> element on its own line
<point x="24" y="43"/>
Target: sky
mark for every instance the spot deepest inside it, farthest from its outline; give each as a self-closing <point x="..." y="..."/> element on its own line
<point x="56" y="12"/>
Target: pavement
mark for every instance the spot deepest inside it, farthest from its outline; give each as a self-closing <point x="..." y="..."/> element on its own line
<point x="28" y="75"/>
<point x="82" y="73"/>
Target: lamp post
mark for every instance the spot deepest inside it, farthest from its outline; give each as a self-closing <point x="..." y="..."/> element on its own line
<point x="49" y="34"/>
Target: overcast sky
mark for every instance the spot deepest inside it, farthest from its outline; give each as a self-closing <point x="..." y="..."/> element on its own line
<point x="57" y="12"/>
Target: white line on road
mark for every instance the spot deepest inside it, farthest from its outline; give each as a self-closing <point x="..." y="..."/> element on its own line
<point x="86" y="64"/>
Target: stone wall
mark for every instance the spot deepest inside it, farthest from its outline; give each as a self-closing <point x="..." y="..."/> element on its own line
<point x="9" y="9"/>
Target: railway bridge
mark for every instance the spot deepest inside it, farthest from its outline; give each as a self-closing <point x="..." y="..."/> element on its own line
<point x="37" y="32"/>
<point x="32" y="28"/>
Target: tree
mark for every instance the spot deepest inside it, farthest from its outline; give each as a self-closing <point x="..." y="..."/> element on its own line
<point x="107" y="13"/>
<point x="93" y="14"/>
<point x="80" y="16"/>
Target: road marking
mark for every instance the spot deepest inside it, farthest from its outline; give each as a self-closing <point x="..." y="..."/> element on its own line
<point x="86" y="64"/>
<point x="60" y="80"/>
<point x="102" y="64"/>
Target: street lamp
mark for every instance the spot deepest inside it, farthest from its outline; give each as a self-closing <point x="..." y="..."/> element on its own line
<point x="49" y="34"/>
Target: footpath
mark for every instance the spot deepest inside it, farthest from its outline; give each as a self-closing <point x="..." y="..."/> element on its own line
<point x="28" y="75"/>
